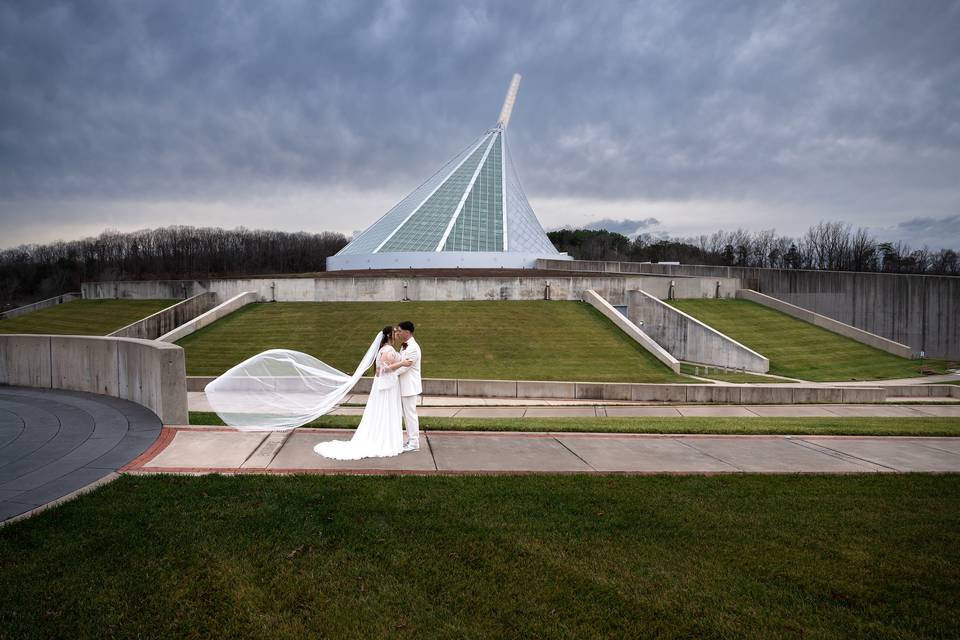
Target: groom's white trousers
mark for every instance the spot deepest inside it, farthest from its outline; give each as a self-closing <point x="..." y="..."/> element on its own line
<point x="410" y="419"/>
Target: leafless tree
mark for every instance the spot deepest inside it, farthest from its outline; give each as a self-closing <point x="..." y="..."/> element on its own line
<point x="33" y="272"/>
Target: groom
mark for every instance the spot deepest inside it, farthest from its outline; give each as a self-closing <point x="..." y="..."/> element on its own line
<point x="410" y="385"/>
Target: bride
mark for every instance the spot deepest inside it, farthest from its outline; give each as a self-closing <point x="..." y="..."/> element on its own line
<point x="380" y="431"/>
<point x="280" y="389"/>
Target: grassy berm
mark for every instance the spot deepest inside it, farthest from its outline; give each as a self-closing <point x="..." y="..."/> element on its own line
<point x="500" y="340"/>
<point x="868" y="556"/>
<point x="798" y="349"/>
<point x="84" y="317"/>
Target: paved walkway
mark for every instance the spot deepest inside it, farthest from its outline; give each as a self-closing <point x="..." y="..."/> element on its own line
<point x="54" y="443"/>
<point x="698" y="411"/>
<point x="449" y="407"/>
<point x="206" y="450"/>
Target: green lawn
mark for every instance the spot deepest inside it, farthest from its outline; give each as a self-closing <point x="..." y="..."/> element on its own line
<point x="84" y="317"/>
<point x="867" y="556"/>
<point x="756" y="426"/>
<point x="798" y="349"/>
<point x="505" y="340"/>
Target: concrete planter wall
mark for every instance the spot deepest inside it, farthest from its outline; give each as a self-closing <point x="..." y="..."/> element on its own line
<point x="211" y="316"/>
<point x="916" y="310"/>
<point x="166" y="320"/>
<point x="631" y="329"/>
<point x="634" y="392"/>
<point x="149" y="373"/>
<point x="924" y="391"/>
<point x="689" y="339"/>
<point x="42" y="304"/>
<point x="869" y="339"/>
<point x="393" y="287"/>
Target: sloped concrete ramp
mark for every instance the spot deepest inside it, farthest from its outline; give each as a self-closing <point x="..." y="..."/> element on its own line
<point x="54" y="443"/>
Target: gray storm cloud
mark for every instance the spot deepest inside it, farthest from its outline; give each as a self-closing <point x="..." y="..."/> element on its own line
<point x="845" y="110"/>
<point x="628" y="227"/>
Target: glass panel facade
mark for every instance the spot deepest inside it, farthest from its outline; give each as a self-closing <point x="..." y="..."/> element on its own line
<point x="425" y="228"/>
<point x="480" y="224"/>
<point x="422" y="218"/>
<point x="524" y="233"/>
<point x="376" y="233"/>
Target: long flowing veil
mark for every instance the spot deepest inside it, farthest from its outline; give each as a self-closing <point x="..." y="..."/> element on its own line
<point x="281" y="389"/>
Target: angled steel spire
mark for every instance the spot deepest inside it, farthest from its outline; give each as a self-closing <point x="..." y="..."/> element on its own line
<point x="508" y="101"/>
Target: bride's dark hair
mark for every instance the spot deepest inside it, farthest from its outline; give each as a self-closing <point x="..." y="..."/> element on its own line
<point x="387" y="335"/>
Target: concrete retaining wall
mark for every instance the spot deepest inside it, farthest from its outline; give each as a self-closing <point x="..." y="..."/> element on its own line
<point x="435" y="260"/>
<point x="631" y="329"/>
<point x="149" y="373"/>
<point x="632" y="392"/>
<point x="210" y="316"/>
<point x="689" y="339"/>
<point x="916" y="310"/>
<point x="392" y="287"/>
<point x="42" y="304"/>
<point x="166" y="320"/>
<point x="923" y="391"/>
<point x="865" y="337"/>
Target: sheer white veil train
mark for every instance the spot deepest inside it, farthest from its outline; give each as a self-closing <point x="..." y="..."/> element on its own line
<point x="281" y="389"/>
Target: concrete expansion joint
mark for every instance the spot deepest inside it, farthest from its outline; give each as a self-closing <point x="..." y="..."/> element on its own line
<point x="433" y="456"/>
<point x="254" y="451"/>
<point x="843" y="455"/>
<point x="936" y="448"/>
<point x="574" y="453"/>
<point x="687" y="443"/>
<point x="800" y="442"/>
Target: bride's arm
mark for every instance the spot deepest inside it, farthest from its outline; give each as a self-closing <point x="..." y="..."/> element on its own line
<point x="410" y="358"/>
<point x="393" y="366"/>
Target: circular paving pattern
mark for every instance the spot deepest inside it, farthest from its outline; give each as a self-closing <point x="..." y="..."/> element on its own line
<point x="54" y="442"/>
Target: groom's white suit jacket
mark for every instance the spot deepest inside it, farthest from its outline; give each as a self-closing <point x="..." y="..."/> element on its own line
<point x="410" y="383"/>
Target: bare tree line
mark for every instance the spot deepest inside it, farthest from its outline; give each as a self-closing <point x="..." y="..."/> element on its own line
<point x="833" y="246"/>
<point x="33" y="272"/>
<point x="38" y="271"/>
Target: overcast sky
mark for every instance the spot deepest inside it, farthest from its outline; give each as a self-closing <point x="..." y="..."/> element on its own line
<point x="672" y="117"/>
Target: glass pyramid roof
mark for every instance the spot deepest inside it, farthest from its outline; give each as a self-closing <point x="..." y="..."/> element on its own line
<point x="473" y="203"/>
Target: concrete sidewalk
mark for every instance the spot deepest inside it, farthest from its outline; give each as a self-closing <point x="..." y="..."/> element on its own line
<point x="222" y="450"/>
<point x="446" y="407"/>
<point x="695" y="411"/>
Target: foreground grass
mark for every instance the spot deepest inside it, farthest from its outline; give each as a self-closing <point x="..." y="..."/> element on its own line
<point x="756" y="426"/>
<point x="798" y="349"/>
<point x="84" y="317"/>
<point x="869" y="556"/>
<point x="505" y="340"/>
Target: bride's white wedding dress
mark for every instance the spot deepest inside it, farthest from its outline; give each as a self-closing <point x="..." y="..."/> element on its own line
<point x="380" y="432"/>
<point x="280" y="389"/>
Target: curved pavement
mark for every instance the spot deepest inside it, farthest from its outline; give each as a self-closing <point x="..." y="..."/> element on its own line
<point x="55" y="442"/>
